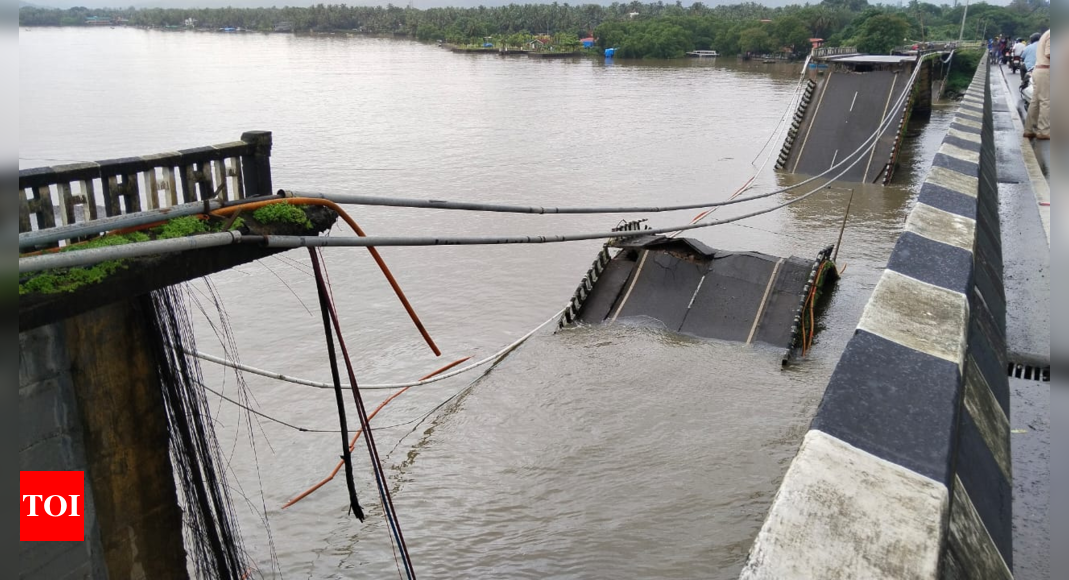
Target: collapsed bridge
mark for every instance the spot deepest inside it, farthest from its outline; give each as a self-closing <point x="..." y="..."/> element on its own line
<point x="690" y="288"/>
<point x="850" y="97"/>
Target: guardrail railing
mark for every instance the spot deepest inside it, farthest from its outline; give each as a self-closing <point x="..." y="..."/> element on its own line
<point x="79" y="192"/>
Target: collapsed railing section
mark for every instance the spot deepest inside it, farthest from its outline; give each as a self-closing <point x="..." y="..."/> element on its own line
<point x="796" y="124"/>
<point x="586" y="285"/>
<point x="82" y="192"/>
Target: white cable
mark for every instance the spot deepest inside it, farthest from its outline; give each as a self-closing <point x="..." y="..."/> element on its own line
<point x="385" y="386"/>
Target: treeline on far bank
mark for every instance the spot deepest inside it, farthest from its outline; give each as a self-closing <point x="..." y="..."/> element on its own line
<point x="637" y="30"/>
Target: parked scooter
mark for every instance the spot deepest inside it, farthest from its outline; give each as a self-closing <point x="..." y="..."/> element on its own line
<point x="1027" y="90"/>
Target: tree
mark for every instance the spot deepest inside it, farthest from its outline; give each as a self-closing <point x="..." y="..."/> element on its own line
<point x="755" y="40"/>
<point x="881" y="33"/>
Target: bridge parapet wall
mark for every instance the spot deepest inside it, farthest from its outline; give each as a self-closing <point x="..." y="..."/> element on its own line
<point x="67" y="194"/>
<point x="905" y="472"/>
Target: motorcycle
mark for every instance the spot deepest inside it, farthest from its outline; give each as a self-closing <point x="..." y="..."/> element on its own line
<point x="1015" y="64"/>
<point x="1027" y="90"/>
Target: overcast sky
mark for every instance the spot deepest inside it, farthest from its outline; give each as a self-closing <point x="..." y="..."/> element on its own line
<point x="415" y="3"/>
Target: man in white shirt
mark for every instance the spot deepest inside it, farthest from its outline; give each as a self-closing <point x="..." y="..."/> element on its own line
<point x="1018" y="49"/>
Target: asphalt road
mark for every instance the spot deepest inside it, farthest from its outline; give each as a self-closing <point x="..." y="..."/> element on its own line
<point x="847" y="109"/>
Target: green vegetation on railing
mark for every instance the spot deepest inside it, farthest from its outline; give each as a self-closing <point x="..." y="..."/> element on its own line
<point x="282" y="213"/>
<point x="655" y="30"/>
<point x="181" y="227"/>
<point x="71" y="279"/>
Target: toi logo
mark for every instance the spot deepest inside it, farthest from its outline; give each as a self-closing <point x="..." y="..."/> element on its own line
<point x="53" y="504"/>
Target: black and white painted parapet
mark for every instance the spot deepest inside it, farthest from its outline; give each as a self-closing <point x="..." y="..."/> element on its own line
<point x="905" y="472"/>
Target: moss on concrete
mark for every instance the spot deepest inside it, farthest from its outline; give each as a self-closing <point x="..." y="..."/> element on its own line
<point x="181" y="227"/>
<point x="70" y="279"/>
<point x="282" y="213"/>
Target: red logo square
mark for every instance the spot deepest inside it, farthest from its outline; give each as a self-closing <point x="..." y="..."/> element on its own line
<point x="53" y="506"/>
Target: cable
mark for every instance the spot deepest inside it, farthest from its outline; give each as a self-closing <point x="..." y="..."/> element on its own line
<point x="380" y="476"/>
<point x="386" y="386"/>
<point x="779" y="129"/>
<point x="92" y="256"/>
<point x="354" y="502"/>
<point x="265" y="416"/>
<point x="371" y="250"/>
<point x="352" y="444"/>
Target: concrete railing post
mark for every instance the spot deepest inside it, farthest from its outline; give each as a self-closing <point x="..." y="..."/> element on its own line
<point x="256" y="165"/>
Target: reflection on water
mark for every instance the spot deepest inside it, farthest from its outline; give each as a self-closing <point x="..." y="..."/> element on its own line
<point x="590" y="453"/>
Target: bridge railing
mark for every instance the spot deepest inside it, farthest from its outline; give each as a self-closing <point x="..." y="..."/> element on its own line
<point x="66" y="194"/>
<point x="905" y="471"/>
<point x="826" y="51"/>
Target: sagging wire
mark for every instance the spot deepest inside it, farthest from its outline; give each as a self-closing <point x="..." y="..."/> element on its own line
<point x="265" y="415"/>
<point x="356" y="436"/>
<point x="92" y="256"/>
<point x="384" y="386"/>
<point x="69" y="259"/>
<point x="371" y="250"/>
<point x="774" y="136"/>
<point x="496" y="357"/>
<point x="330" y="318"/>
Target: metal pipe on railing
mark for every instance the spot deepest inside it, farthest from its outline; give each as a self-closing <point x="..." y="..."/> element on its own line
<point x="133" y="250"/>
<point x="35" y="238"/>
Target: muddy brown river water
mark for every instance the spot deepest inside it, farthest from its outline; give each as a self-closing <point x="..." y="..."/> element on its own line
<point x="590" y="453"/>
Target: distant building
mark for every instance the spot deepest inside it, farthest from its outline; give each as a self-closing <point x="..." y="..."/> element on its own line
<point x="588" y="42"/>
<point x="191" y="23"/>
<point x="98" y="21"/>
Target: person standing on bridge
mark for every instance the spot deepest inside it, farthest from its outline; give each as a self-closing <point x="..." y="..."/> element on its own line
<point x="1028" y="57"/>
<point x="1037" y="126"/>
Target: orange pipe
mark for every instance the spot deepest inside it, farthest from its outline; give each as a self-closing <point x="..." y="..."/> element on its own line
<point x="356" y="436"/>
<point x="356" y="228"/>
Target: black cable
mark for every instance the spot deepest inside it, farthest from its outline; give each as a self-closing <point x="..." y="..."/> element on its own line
<point x="264" y="415"/>
<point x="365" y="423"/>
<point x="347" y="457"/>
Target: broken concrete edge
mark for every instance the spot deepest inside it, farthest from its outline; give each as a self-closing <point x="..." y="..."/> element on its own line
<point x="138" y="276"/>
<point x="904" y="472"/>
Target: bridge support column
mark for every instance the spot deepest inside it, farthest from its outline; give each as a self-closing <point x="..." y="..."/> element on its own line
<point x="93" y="379"/>
<point x="922" y="95"/>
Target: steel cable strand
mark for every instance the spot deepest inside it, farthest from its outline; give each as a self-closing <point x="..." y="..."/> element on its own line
<point x="351" y="199"/>
<point x="352" y="444"/>
<point x="371" y="250"/>
<point x="369" y="438"/>
<point x="792" y="105"/>
<point x="354" y="502"/>
<point x="84" y="257"/>
<point x="433" y="378"/>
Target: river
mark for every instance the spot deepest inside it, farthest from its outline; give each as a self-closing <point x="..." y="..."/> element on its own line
<point x="589" y="453"/>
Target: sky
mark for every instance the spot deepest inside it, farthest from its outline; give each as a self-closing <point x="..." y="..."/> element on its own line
<point x="415" y="3"/>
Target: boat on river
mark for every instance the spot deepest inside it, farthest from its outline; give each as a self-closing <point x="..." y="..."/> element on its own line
<point x="703" y="54"/>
